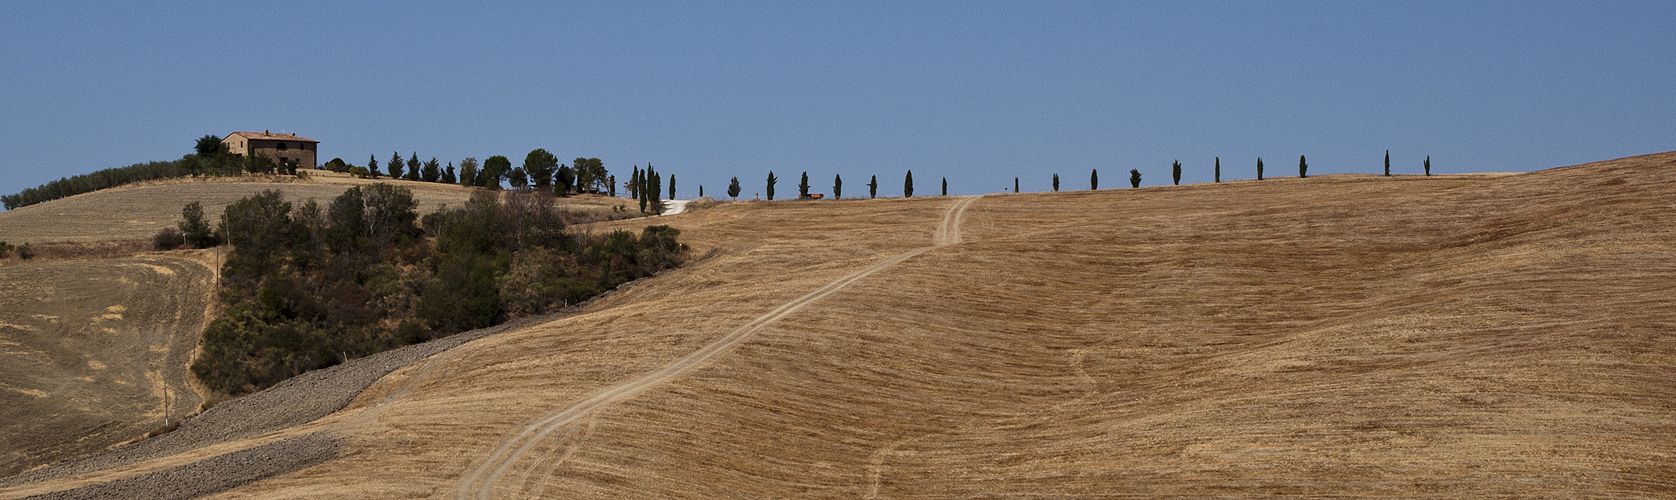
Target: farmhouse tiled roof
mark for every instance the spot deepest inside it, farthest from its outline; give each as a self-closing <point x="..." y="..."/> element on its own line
<point x="265" y="136"/>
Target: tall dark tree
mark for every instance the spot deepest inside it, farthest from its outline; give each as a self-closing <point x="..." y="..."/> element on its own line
<point x="611" y="185"/>
<point x="908" y="185"/>
<point x="564" y="179"/>
<point x="771" y="180"/>
<point x="413" y="166"/>
<point x="671" y="186"/>
<point x="1218" y="169"/>
<point x="733" y="188"/>
<point x="640" y="183"/>
<point x="198" y="231"/>
<point x="1094" y="179"/>
<point x="372" y="165"/>
<point x="495" y="169"/>
<point x="803" y="186"/>
<point x="1134" y="178"/>
<point x="700" y="190"/>
<point x="519" y="179"/>
<point x="1015" y="184"/>
<point x="1056" y="182"/>
<point x="448" y="176"/>
<point x="635" y="181"/>
<point x="657" y="187"/>
<point x="1387" y="163"/>
<point x="432" y="171"/>
<point x="395" y="165"/>
<point x="591" y="173"/>
<point x="468" y="172"/>
<point x="1303" y="167"/>
<point x="837" y="186"/>
<point x="210" y="146"/>
<point x="946" y="185"/>
<point x="1175" y="173"/>
<point x="873" y="188"/>
<point x="1259" y="168"/>
<point x="1428" y="165"/>
<point x="541" y="165"/>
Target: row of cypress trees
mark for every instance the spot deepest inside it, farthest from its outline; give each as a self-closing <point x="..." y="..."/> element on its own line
<point x="1093" y="179"/>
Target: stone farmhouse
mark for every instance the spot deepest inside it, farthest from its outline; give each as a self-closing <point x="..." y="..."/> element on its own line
<point x="281" y="147"/>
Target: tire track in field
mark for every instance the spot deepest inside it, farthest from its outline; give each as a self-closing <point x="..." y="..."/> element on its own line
<point x="480" y="482"/>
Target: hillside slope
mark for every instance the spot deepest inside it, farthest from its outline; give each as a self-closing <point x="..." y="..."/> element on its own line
<point x="139" y="211"/>
<point x="1347" y="335"/>
<point x="94" y="353"/>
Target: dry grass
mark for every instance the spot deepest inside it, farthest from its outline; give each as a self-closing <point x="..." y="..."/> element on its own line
<point x="138" y="211"/>
<point x="1460" y="336"/>
<point x="89" y="347"/>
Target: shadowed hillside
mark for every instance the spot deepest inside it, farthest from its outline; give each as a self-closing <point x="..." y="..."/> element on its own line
<point x="1344" y="335"/>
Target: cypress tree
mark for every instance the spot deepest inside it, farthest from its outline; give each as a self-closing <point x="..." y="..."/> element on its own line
<point x="837" y="186"/>
<point x="413" y="167"/>
<point x="1134" y="178"/>
<point x="1015" y="184"/>
<point x="372" y="165"/>
<point x="803" y="186"/>
<point x="1218" y="169"/>
<point x="395" y="165"/>
<point x="1056" y="182"/>
<point x="1094" y="179"/>
<point x="771" y="180"/>
<point x="946" y="186"/>
<point x="700" y="189"/>
<point x="908" y="185"/>
<point x="1175" y="173"/>
<point x="1303" y="167"/>
<point x="1428" y="165"/>
<point x="733" y="189"/>
<point x="671" y="186"/>
<point x="1387" y="163"/>
<point x="873" y="188"/>
<point x="1259" y="168"/>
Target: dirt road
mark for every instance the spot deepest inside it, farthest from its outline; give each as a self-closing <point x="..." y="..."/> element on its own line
<point x="481" y="481"/>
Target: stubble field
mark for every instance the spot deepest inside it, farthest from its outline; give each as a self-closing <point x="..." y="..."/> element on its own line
<point x="138" y="211"/>
<point x="94" y="353"/>
<point x="1451" y="336"/>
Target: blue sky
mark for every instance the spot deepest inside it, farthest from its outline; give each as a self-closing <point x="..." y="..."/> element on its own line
<point x="978" y="92"/>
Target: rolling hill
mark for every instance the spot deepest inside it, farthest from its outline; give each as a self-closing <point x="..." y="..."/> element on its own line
<point x="1342" y="335"/>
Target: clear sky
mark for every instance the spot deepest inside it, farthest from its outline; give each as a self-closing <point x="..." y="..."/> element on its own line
<point x="978" y="92"/>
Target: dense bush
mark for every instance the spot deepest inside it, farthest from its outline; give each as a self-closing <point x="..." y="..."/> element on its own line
<point x="307" y="285"/>
<point x="168" y="238"/>
<point x="5" y="249"/>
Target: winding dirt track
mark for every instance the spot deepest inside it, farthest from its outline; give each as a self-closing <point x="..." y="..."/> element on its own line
<point x="481" y="481"/>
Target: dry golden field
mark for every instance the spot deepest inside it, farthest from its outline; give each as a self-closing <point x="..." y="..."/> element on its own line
<point x="1343" y="335"/>
<point x="93" y="352"/>
<point x="138" y="211"/>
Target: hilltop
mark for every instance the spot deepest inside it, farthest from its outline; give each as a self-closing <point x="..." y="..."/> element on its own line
<point x="138" y="211"/>
<point x="1348" y="335"/>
